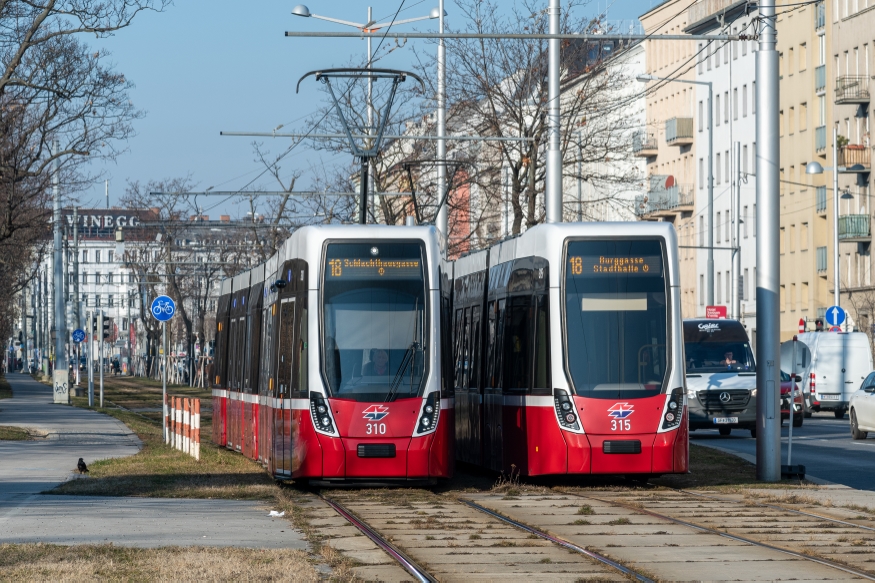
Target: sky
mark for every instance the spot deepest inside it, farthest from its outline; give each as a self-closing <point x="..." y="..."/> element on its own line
<point x="200" y="68"/>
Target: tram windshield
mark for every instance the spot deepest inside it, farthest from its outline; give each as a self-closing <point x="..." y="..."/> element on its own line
<point x="374" y="337"/>
<point x="616" y="318"/>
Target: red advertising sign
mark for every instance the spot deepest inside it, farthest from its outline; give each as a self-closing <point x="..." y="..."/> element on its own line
<point x="715" y="312"/>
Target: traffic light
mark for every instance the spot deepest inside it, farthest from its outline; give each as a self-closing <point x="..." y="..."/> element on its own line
<point x="818" y="324"/>
<point x="94" y="326"/>
<point x="20" y="337"/>
<point x="107" y="327"/>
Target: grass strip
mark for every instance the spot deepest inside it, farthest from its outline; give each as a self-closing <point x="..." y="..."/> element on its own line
<point x="44" y="562"/>
<point x="5" y="388"/>
<point x="10" y="433"/>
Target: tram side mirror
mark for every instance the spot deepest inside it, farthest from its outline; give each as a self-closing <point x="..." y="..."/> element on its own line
<point x="281" y="283"/>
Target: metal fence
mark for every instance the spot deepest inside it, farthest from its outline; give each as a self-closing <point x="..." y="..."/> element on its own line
<point x="854" y="154"/>
<point x="852" y="89"/>
<point x="679" y="128"/>
<point x="854" y="227"/>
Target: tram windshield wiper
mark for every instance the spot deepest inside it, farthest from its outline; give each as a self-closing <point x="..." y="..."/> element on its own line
<point x="409" y="355"/>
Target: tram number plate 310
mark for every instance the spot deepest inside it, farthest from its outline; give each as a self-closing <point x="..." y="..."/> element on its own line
<point x="725" y="420"/>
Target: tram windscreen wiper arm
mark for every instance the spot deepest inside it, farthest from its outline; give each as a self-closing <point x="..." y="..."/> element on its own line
<point x="399" y="376"/>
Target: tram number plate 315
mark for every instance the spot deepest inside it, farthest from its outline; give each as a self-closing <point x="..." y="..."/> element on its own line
<point x="725" y="420"/>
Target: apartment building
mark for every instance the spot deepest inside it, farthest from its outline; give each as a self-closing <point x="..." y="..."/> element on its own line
<point x="730" y="69"/>
<point x="668" y="142"/>
<point x="805" y="200"/>
<point x="849" y="82"/>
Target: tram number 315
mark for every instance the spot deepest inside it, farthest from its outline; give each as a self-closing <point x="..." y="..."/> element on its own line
<point x="621" y="425"/>
<point x="376" y="429"/>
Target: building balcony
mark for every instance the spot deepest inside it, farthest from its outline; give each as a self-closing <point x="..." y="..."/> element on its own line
<point x="679" y="131"/>
<point x="644" y="145"/>
<point x="854" y="228"/>
<point x="665" y="202"/>
<point x="852" y="89"/>
<point x="820" y="79"/>
<point x="820" y="138"/>
<point x="854" y="159"/>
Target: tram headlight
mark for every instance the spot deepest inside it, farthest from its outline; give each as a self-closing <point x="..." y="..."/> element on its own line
<point x="319" y="413"/>
<point x="428" y="419"/>
<point x="565" y="410"/>
<point x="672" y="417"/>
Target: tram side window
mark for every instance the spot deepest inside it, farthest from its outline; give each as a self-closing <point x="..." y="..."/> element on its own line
<point x="302" y="355"/>
<point x="286" y="346"/>
<point x="247" y="362"/>
<point x="474" y="349"/>
<point x="518" y="344"/>
<point x="264" y="382"/>
<point x="231" y="381"/>
<point x="241" y="351"/>
<point x="494" y="343"/>
<point x="457" y="345"/>
<point x="542" y="344"/>
<point x="447" y="385"/>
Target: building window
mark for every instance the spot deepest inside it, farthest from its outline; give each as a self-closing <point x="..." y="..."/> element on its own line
<point x="701" y="231"/>
<point x="701" y="58"/>
<point x="701" y="290"/>
<point x="96" y="300"/>
<point x="717" y="166"/>
<point x="84" y="277"/>
<point x="717" y="229"/>
<point x="131" y="275"/>
<point x="110" y="300"/>
<point x="803" y="117"/>
<point x="726" y="107"/>
<point x="744" y="101"/>
<point x="109" y="257"/>
<point x="753" y="93"/>
<point x="744" y="160"/>
<point x="97" y="256"/>
<point x="728" y="227"/>
<point x="701" y="116"/>
<point x="108" y="278"/>
<point x="803" y="57"/>
<point x="735" y="103"/>
<point x="701" y="173"/>
<point x="744" y="288"/>
<point x="717" y="111"/>
<point x="746" y="221"/>
<point x="754" y="220"/>
<point x="735" y="45"/>
<point x="718" y="284"/>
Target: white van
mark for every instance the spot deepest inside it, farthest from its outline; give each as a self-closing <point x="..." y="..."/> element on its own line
<point x="840" y="361"/>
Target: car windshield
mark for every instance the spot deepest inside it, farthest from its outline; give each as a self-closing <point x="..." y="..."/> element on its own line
<point x="374" y="336"/>
<point x="616" y="318"/>
<point x="717" y="346"/>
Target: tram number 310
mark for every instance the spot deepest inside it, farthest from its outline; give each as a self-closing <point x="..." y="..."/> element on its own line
<point x="621" y="425"/>
<point x="376" y="429"/>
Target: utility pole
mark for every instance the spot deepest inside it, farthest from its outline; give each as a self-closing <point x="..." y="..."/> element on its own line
<point x="90" y="359"/>
<point x="59" y="376"/>
<point x="768" y="259"/>
<point x="76" y="315"/>
<point x="736" y="264"/>
<point x="443" y="216"/>
<point x="553" y="194"/>
<point x="100" y="351"/>
<point x="130" y="355"/>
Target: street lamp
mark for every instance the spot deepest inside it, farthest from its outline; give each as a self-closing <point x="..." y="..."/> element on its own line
<point x="710" y="269"/>
<point x="370" y="26"/>
<point x="816" y="168"/>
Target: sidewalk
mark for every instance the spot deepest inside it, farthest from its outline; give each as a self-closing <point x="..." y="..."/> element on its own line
<point x="30" y="467"/>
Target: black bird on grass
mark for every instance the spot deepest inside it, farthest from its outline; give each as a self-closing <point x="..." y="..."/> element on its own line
<point x="83" y="469"/>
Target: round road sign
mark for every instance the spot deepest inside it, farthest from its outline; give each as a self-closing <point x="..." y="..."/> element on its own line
<point x="78" y="335"/>
<point x="163" y="308"/>
<point x="835" y="316"/>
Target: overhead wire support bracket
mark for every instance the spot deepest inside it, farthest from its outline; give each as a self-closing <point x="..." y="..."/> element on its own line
<point x="515" y="36"/>
<point x="385" y="137"/>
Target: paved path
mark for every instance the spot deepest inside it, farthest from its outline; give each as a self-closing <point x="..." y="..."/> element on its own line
<point x="30" y="467"/>
<point x="823" y="445"/>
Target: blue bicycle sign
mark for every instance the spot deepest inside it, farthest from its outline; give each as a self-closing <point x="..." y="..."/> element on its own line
<point x="78" y="335"/>
<point x="163" y="308"/>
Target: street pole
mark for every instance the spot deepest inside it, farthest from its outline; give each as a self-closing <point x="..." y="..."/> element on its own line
<point x="553" y="194"/>
<point x="579" y="178"/>
<point x="100" y="352"/>
<point x="76" y="315"/>
<point x="768" y="378"/>
<point x="129" y="326"/>
<point x="710" y="268"/>
<point x="370" y="174"/>
<point x="736" y="264"/>
<point x="443" y="217"/>
<point x="60" y="374"/>
<point x="90" y="359"/>
<point x="164" y="380"/>
<point x="835" y="212"/>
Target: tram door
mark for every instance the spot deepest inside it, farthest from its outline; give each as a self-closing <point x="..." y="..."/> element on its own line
<point x="493" y="398"/>
<point x="282" y="435"/>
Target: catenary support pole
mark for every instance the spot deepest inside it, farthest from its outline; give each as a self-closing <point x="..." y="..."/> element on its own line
<point x="100" y="318"/>
<point x="443" y="217"/>
<point x="77" y="318"/>
<point x="363" y="195"/>
<point x="90" y="359"/>
<point x="58" y="275"/>
<point x="164" y="379"/>
<point x="738" y="219"/>
<point x="835" y="214"/>
<point x="768" y="424"/>
<point x="553" y="195"/>
<point x="710" y="267"/>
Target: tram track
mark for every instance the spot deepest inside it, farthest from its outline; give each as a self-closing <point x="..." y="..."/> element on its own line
<point x="408" y="564"/>
<point x="560" y="542"/>
<point x="734" y="537"/>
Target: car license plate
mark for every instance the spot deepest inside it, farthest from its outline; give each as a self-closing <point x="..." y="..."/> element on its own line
<point x="829" y="397"/>
<point x="725" y="420"/>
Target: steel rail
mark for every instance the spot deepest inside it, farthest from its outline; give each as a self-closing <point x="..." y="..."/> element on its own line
<point x="737" y="538"/>
<point x="774" y="507"/>
<point x="559" y="541"/>
<point x="409" y="565"/>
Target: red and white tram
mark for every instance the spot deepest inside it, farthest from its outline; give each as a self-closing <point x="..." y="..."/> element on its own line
<point x="568" y="352"/>
<point x="328" y="357"/>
